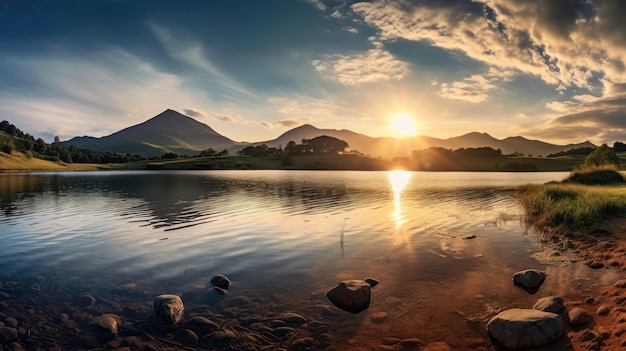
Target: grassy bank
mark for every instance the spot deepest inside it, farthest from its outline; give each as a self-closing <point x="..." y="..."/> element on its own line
<point x="17" y="161"/>
<point x="575" y="206"/>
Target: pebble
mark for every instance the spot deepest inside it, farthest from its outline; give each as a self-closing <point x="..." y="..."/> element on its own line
<point x="590" y="300"/>
<point x="603" y="310"/>
<point x="4" y="296"/>
<point x="292" y="318"/>
<point x="282" y="331"/>
<point x="379" y="317"/>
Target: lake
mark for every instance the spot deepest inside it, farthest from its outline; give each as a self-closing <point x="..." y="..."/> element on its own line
<point x="444" y="247"/>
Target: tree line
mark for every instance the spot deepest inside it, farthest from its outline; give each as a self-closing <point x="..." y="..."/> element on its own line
<point x="31" y="147"/>
<point x="323" y="144"/>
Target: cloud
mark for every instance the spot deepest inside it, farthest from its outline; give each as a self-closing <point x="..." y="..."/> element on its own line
<point x="475" y="88"/>
<point x="288" y="123"/>
<point x="225" y="118"/>
<point x="371" y="66"/>
<point x="192" y="112"/>
<point x="565" y="43"/>
<point x="472" y="89"/>
<point x="90" y="95"/>
<point x="318" y="4"/>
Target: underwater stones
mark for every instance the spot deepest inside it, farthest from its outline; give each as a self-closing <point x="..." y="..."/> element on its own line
<point x="351" y="295"/>
<point x="169" y="309"/>
<point x="186" y="336"/>
<point x="552" y="304"/>
<point x="530" y="279"/>
<point x="106" y="326"/>
<point x="8" y="334"/>
<point x="525" y="328"/>
<point x="291" y="318"/>
<point x="220" y="281"/>
<point x="200" y="325"/>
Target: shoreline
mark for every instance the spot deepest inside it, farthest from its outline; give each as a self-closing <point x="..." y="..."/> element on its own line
<point x="600" y="250"/>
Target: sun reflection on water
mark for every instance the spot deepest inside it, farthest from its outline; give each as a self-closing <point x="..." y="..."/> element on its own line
<point x="398" y="180"/>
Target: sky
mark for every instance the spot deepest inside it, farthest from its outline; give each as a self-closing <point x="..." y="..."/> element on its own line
<point x="549" y="70"/>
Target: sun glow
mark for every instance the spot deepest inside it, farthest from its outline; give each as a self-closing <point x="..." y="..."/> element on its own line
<point x="403" y="125"/>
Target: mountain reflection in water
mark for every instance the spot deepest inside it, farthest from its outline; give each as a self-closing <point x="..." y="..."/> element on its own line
<point x="283" y="236"/>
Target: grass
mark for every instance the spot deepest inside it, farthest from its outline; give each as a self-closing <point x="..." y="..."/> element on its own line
<point x="575" y="206"/>
<point x="17" y="161"/>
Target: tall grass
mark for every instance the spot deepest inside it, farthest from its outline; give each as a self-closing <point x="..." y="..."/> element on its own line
<point x="597" y="175"/>
<point x="572" y="208"/>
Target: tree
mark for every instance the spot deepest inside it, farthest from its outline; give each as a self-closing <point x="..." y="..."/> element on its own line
<point x="325" y="144"/>
<point x="208" y="152"/>
<point x="619" y="146"/>
<point x="7" y="147"/>
<point x="602" y="156"/>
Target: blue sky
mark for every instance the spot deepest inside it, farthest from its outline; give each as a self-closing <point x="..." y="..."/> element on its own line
<point x="549" y="70"/>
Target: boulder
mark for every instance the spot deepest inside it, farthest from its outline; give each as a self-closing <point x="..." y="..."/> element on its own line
<point x="552" y="304"/>
<point x="169" y="309"/>
<point x="220" y="281"/>
<point x="579" y="317"/>
<point x="530" y="279"/>
<point x="525" y="328"/>
<point x="351" y="295"/>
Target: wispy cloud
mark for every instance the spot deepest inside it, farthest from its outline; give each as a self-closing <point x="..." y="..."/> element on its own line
<point x="81" y="94"/>
<point x="371" y="66"/>
<point x="192" y="112"/>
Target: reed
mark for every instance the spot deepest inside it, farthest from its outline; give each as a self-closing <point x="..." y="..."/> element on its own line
<point x="572" y="208"/>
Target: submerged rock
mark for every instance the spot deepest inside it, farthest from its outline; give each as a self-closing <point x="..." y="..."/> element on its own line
<point x="220" y="281"/>
<point x="106" y="326"/>
<point x="525" y="328"/>
<point x="351" y="295"/>
<point x="169" y="309"/>
<point x="530" y="279"/>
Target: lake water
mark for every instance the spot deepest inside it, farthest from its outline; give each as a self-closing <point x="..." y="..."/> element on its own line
<point x="444" y="247"/>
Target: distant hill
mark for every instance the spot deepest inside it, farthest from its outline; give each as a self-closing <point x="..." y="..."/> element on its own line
<point x="169" y="131"/>
<point x="174" y="132"/>
<point x="391" y="147"/>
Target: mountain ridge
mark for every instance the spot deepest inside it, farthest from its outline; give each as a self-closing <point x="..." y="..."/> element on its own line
<point x="171" y="131"/>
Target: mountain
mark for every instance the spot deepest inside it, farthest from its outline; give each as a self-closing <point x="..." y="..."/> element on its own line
<point x="169" y="131"/>
<point x="391" y="147"/>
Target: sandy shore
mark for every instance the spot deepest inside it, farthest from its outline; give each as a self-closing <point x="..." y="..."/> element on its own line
<point x="599" y="250"/>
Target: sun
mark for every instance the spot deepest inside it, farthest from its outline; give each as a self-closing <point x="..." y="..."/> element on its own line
<point x="403" y="125"/>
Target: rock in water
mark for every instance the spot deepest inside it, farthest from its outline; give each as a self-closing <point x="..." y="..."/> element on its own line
<point x="530" y="279"/>
<point x="351" y="295"/>
<point x="525" y="328"/>
<point x="220" y="281"/>
<point x="169" y="309"/>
